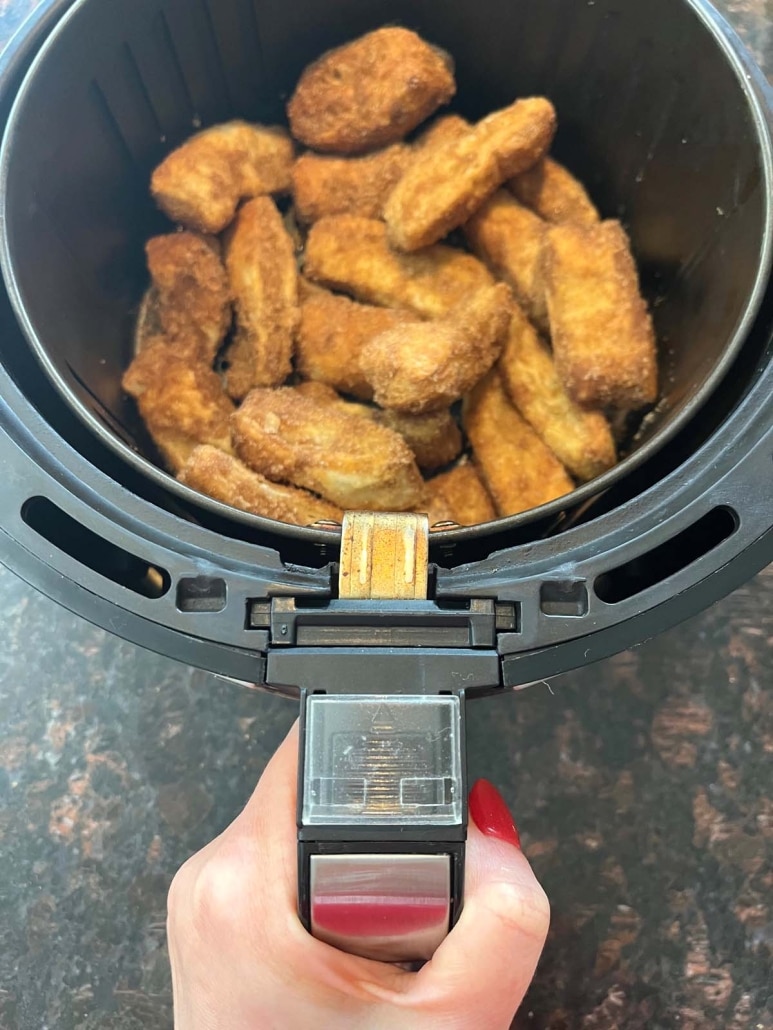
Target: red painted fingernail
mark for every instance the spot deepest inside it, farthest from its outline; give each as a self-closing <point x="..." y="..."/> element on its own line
<point x="490" y="813"/>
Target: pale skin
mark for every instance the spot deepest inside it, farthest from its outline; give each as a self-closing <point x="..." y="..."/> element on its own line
<point x="241" y="960"/>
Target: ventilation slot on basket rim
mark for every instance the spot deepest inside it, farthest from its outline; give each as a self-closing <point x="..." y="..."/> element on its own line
<point x="666" y="560"/>
<point x="100" y="555"/>
<point x="202" y="594"/>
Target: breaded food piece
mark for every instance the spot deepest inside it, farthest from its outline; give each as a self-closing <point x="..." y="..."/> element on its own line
<point x="446" y="184"/>
<point x="192" y="295"/>
<point x="327" y="395"/>
<point x="554" y="194"/>
<point x="516" y="466"/>
<point x="352" y="254"/>
<point x="429" y="365"/>
<point x="434" y="438"/>
<point x="442" y="130"/>
<point x="580" y="439"/>
<point x="263" y="274"/>
<point x="327" y="185"/>
<point x="201" y="183"/>
<point x="332" y="333"/>
<point x="509" y="239"/>
<point x="462" y="495"/>
<point x="370" y="92"/>
<point x="345" y="458"/>
<point x="603" y="338"/>
<point x="181" y="402"/>
<point x="437" y="510"/>
<point x="226" y="479"/>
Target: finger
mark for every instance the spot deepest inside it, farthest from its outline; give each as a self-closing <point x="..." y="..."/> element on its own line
<point x="266" y="833"/>
<point x="487" y="962"/>
<point x="268" y="820"/>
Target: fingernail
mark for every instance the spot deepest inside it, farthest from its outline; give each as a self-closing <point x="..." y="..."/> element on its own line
<point x="491" y="815"/>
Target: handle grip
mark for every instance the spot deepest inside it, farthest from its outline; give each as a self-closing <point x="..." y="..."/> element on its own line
<point x="382" y="821"/>
<point x="382" y="794"/>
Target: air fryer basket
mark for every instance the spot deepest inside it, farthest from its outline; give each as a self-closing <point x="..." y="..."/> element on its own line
<point x="662" y="116"/>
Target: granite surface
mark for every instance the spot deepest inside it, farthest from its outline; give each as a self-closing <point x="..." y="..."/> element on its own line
<point x="643" y="788"/>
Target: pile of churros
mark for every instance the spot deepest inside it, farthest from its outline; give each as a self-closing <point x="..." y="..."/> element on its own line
<point x="366" y="312"/>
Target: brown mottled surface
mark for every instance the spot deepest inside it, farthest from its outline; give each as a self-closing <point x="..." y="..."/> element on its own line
<point x="643" y="788"/>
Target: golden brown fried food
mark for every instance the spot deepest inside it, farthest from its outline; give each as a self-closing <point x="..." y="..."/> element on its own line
<point x="434" y="438"/>
<point x="554" y="194"/>
<point x="442" y="130"/>
<point x="509" y="239"/>
<point x="327" y="395"/>
<point x="201" y="183"/>
<point x="461" y="496"/>
<point x="603" y="340"/>
<point x="580" y="439"/>
<point x="350" y="460"/>
<point x="228" y="480"/>
<point x="517" y="467"/>
<point x="261" y="265"/>
<point x="447" y="183"/>
<point x="192" y="295"/>
<point x="429" y="365"/>
<point x="333" y="332"/>
<point x="370" y="92"/>
<point x="181" y="401"/>
<point x="326" y="185"/>
<point x="437" y="510"/>
<point x="352" y="254"/>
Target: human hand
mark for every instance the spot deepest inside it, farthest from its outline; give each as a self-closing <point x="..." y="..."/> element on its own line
<point x="241" y="959"/>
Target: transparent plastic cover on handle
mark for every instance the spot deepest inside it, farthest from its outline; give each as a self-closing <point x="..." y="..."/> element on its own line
<point x="382" y="760"/>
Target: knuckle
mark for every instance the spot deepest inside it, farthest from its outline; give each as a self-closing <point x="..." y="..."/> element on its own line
<point x="215" y="903"/>
<point x="206" y="897"/>
<point x="524" y="909"/>
<point x="177" y="899"/>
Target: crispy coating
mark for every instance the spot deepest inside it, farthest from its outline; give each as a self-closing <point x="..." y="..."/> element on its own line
<point x="461" y="495"/>
<point x="509" y="239"/>
<point x="434" y="438"/>
<point x="192" y="295"/>
<point x="442" y="130"/>
<point x="201" y="183"/>
<point x="447" y="183"/>
<point x="370" y="92"/>
<point x="554" y="194"/>
<point x="429" y="365"/>
<point x="327" y="395"/>
<point x="261" y="265"/>
<point x="580" y="439"/>
<point x="603" y="339"/>
<point x="353" y="254"/>
<point x="311" y="443"/>
<point x="327" y="185"/>
<point x="517" y="467"/>
<point x="333" y="332"/>
<point x="181" y="401"/>
<point x="226" y="479"/>
<point x="436" y="508"/>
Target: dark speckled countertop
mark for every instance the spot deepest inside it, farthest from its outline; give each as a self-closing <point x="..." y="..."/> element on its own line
<point x="643" y="788"/>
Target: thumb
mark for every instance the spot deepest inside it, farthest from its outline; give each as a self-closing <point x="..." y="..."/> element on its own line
<point x="487" y="962"/>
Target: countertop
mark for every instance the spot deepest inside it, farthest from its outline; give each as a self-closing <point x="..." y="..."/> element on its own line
<point x="643" y="789"/>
